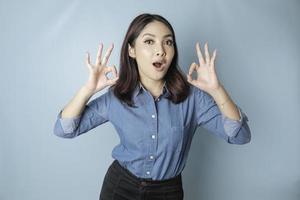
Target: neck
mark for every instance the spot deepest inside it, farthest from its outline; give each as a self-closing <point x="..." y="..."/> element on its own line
<point x="154" y="87"/>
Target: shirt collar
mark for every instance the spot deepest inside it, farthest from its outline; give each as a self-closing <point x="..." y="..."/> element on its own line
<point x="140" y="87"/>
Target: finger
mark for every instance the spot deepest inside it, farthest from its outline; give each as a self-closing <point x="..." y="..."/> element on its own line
<point x="112" y="81"/>
<point x="109" y="69"/>
<point x="114" y="71"/>
<point x="207" y="58"/>
<point x="190" y="80"/>
<point x="88" y="60"/>
<point x="212" y="61"/>
<point x="199" y="54"/>
<point x="99" y="54"/>
<point x="108" y="52"/>
<point x="192" y="68"/>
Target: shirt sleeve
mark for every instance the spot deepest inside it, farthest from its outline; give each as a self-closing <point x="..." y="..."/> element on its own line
<point x="211" y="118"/>
<point x="233" y="126"/>
<point x="94" y="114"/>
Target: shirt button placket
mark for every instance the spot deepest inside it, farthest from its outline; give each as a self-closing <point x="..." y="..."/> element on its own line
<point x="151" y="157"/>
<point x="149" y="162"/>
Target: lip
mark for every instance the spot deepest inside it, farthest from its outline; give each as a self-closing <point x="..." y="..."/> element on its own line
<point x="161" y="68"/>
<point x="160" y="61"/>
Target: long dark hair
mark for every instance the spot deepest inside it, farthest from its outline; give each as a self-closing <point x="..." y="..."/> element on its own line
<point x="176" y="82"/>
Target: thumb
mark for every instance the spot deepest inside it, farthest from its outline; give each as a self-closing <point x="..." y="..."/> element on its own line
<point x="190" y="80"/>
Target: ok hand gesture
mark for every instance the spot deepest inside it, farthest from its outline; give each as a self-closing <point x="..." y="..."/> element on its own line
<point x="206" y="75"/>
<point x="97" y="77"/>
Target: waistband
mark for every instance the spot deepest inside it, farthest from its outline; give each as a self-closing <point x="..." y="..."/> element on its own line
<point x="175" y="180"/>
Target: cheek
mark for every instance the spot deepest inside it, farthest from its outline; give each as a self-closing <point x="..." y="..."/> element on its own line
<point x="171" y="55"/>
<point x="145" y="52"/>
<point x="143" y="56"/>
<point x="170" y="51"/>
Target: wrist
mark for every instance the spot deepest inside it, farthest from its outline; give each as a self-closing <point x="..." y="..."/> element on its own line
<point x="215" y="93"/>
<point x="86" y="92"/>
<point x="220" y="96"/>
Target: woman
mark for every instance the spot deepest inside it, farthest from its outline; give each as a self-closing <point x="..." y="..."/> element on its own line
<point x="155" y="110"/>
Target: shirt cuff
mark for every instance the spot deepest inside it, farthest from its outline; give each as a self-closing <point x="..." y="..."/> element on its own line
<point x="231" y="126"/>
<point x="69" y="125"/>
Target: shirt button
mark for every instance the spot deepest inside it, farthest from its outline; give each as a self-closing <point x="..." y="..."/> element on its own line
<point x="148" y="172"/>
<point x="151" y="157"/>
<point x="153" y="116"/>
<point x="153" y="136"/>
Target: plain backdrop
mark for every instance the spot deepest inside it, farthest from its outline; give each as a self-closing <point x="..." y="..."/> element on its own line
<point x="42" y="52"/>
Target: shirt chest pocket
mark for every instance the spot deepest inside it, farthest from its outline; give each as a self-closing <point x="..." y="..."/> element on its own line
<point x="176" y="138"/>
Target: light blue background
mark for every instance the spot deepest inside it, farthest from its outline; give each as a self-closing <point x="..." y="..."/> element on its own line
<point x="43" y="45"/>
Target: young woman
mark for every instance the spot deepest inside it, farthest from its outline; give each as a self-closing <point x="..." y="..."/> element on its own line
<point x="155" y="110"/>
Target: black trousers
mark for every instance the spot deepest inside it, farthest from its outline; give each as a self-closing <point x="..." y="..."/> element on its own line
<point x="120" y="184"/>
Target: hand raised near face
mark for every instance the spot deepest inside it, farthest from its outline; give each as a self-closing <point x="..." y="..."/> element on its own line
<point x="97" y="72"/>
<point x="207" y="79"/>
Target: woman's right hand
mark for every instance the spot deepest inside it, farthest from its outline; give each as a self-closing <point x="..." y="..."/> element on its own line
<point x="97" y="72"/>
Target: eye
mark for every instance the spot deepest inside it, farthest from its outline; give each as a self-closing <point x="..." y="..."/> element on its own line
<point x="147" y="41"/>
<point x="170" y="42"/>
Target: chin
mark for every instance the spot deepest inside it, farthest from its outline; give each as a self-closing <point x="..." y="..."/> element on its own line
<point x="158" y="78"/>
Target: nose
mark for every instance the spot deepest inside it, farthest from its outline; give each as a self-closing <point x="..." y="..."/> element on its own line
<point x="160" y="51"/>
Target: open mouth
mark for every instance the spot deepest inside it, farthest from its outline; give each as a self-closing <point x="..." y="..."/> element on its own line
<point x="157" y="64"/>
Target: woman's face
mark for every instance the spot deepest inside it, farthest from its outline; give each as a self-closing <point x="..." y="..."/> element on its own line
<point x="153" y="51"/>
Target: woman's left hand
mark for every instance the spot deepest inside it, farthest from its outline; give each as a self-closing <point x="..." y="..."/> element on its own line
<point x="207" y="79"/>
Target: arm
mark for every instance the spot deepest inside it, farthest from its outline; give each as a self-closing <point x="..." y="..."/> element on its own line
<point x="225" y="103"/>
<point x="77" y="117"/>
<point x="211" y="118"/>
<point x="75" y="107"/>
<point x="215" y="110"/>
<point x="232" y="117"/>
<point x="93" y="114"/>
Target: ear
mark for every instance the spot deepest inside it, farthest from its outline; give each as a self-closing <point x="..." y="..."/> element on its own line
<point x="131" y="51"/>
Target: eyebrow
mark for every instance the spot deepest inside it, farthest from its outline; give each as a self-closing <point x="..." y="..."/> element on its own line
<point x="168" y="35"/>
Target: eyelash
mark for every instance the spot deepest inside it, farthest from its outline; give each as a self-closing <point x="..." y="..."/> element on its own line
<point x="167" y="41"/>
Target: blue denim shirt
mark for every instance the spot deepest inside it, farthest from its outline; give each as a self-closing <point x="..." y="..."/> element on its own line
<point x="155" y="137"/>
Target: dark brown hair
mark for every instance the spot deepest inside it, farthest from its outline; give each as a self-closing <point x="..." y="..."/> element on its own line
<point x="129" y="78"/>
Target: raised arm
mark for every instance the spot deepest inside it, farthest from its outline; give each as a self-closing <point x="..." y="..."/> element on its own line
<point x="71" y="116"/>
<point x="216" y="110"/>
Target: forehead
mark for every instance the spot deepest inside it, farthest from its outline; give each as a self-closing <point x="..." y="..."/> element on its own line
<point x="156" y="28"/>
